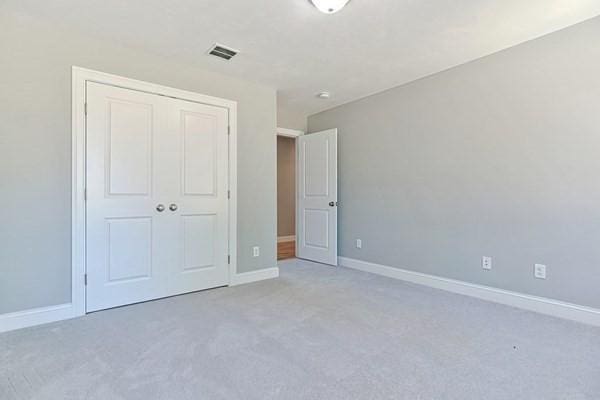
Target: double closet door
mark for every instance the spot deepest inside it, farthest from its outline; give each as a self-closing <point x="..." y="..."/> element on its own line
<point x="157" y="196"/>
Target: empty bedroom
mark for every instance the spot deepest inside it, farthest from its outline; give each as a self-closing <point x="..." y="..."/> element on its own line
<point x="300" y="199"/>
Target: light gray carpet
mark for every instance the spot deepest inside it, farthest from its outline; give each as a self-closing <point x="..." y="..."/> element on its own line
<point x="317" y="332"/>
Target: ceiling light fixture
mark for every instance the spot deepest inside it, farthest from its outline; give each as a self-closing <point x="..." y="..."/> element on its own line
<point x="329" y="6"/>
<point x="323" y="95"/>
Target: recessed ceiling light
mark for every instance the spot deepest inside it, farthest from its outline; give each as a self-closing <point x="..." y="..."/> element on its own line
<point x="329" y="6"/>
<point x="323" y="95"/>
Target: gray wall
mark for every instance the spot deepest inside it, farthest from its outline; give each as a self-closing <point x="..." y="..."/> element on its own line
<point x="290" y="119"/>
<point x="286" y="186"/>
<point x="35" y="153"/>
<point x="498" y="157"/>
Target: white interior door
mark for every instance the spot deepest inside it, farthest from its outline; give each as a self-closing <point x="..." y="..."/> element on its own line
<point x="317" y="197"/>
<point x="198" y="192"/>
<point x="156" y="209"/>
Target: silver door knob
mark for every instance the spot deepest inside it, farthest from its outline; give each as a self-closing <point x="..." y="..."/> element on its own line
<point x="160" y="208"/>
<point x="173" y="207"/>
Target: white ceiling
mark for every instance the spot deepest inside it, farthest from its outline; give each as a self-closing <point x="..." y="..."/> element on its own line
<point x="369" y="46"/>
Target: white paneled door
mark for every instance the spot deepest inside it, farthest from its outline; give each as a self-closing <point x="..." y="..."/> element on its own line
<point x="317" y="197"/>
<point x="157" y="213"/>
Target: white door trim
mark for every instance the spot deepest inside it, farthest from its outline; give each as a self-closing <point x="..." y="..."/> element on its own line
<point x="292" y="133"/>
<point x="79" y="78"/>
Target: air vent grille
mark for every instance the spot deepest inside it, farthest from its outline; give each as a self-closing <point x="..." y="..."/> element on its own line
<point x="224" y="52"/>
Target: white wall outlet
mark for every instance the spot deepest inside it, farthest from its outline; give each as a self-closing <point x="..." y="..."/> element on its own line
<point x="486" y="262"/>
<point x="358" y="244"/>
<point x="539" y="271"/>
<point x="256" y="251"/>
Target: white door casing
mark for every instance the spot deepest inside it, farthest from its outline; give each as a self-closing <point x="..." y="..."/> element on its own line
<point x="316" y="237"/>
<point x="157" y="218"/>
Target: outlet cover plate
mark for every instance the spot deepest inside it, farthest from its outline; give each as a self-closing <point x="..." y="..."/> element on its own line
<point x="486" y="262"/>
<point x="539" y="271"/>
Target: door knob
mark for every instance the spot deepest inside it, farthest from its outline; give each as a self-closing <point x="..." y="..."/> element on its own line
<point x="173" y="207"/>
<point x="332" y="204"/>
<point x="160" y="208"/>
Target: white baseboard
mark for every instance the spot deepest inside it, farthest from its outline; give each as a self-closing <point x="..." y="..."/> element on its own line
<point x="253" y="276"/>
<point x="35" y="316"/>
<point x="543" y="305"/>
<point x="44" y="315"/>
<point x="291" y="238"/>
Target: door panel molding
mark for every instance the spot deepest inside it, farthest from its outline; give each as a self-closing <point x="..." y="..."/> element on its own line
<point x="80" y="78"/>
<point x="203" y="164"/>
<point x="118" y="147"/>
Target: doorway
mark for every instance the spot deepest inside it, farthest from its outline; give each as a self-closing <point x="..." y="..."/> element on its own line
<point x="307" y="204"/>
<point x="286" y="197"/>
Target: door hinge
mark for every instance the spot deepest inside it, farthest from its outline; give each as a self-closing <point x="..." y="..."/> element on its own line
<point x="228" y="194"/>
<point x="228" y="259"/>
<point x="85" y="108"/>
<point x="85" y="279"/>
<point x="85" y="194"/>
<point x="228" y="130"/>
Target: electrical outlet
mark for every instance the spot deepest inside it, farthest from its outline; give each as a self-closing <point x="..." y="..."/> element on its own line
<point x="486" y="262"/>
<point x="358" y="244"/>
<point x="539" y="271"/>
<point x="256" y="251"/>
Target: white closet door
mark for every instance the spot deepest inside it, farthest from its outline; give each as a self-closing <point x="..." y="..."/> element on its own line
<point x="198" y="140"/>
<point x="317" y="197"/>
<point x="156" y="205"/>
<point x="125" y="256"/>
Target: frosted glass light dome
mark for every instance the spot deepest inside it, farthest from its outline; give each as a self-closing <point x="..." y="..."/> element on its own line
<point x="329" y="6"/>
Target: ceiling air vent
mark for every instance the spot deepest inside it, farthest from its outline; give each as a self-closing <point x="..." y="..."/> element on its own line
<point x="218" y="50"/>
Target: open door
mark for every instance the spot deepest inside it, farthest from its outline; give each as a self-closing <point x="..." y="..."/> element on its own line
<point x="316" y="238"/>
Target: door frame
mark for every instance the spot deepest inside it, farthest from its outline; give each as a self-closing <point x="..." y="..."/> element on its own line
<point x="80" y="76"/>
<point x="291" y="133"/>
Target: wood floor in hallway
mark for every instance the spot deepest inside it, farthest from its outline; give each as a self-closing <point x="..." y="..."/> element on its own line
<point x="286" y="250"/>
